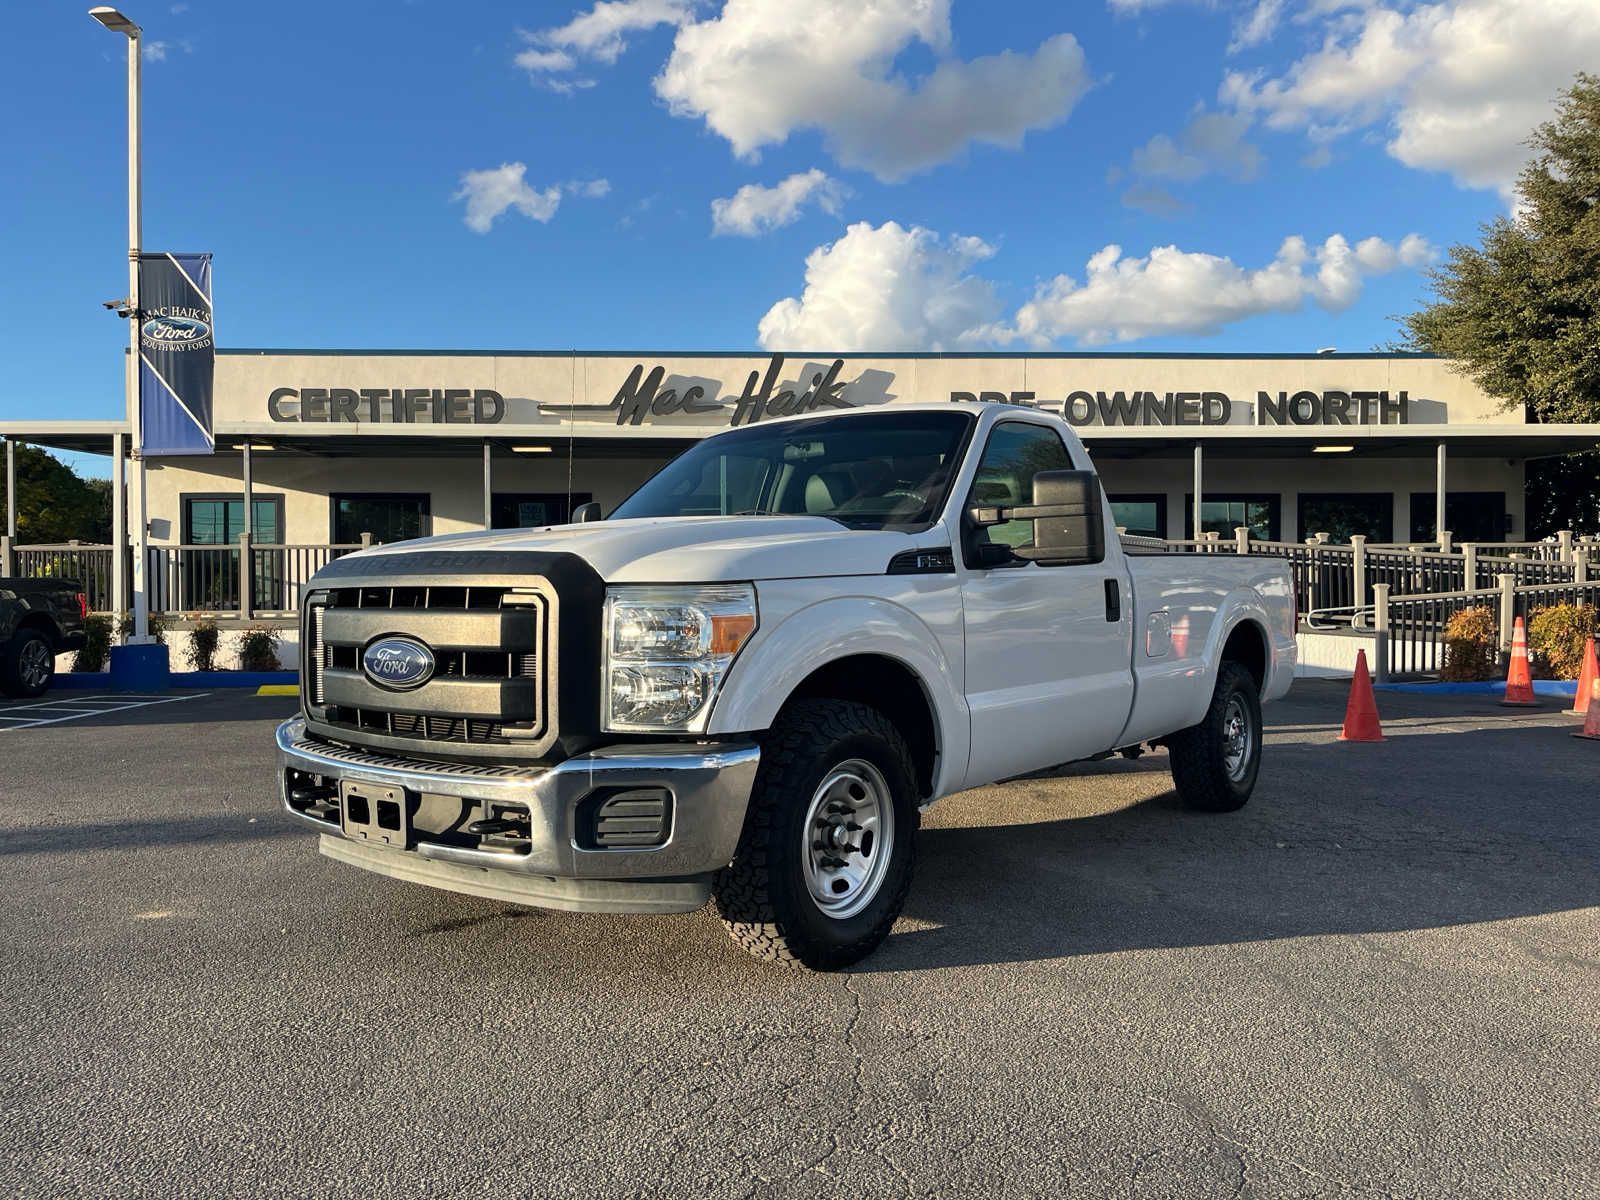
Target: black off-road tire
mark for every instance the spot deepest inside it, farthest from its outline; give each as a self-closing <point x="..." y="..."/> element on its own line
<point x="762" y="895"/>
<point x="1200" y="753"/>
<point x="24" y="643"/>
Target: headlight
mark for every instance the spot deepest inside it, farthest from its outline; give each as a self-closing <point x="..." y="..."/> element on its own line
<point x="667" y="649"/>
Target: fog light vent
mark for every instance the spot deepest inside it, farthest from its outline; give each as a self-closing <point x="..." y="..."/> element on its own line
<point x="634" y="819"/>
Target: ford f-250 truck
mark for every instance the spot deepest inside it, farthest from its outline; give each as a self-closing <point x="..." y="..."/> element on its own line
<point x="747" y="682"/>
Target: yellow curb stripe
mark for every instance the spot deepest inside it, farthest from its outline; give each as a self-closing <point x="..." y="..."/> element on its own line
<point x="278" y="689"/>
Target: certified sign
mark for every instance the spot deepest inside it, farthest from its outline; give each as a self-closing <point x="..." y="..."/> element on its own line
<point x="397" y="663"/>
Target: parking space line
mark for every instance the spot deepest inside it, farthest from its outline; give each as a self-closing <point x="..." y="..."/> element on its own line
<point x="56" y="712"/>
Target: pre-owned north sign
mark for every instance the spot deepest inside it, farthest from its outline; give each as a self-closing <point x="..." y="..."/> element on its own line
<point x="1215" y="408"/>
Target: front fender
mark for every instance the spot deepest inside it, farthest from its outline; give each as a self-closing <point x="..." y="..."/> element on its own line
<point x="817" y="633"/>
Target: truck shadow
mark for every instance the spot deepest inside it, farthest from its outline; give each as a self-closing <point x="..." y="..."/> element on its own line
<point x="1424" y="831"/>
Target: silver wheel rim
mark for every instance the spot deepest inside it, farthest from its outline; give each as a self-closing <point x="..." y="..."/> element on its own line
<point x="1238" y="739"/>
<point x="34" y="664"/>
<point x="848" y="838"/>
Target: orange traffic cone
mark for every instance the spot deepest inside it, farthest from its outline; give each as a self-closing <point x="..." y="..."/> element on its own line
<point x="1591" y="723"/>
<point x="1586" y="678"/>
<point x="1361" y="712"/>
<point x="1519" y="679"/>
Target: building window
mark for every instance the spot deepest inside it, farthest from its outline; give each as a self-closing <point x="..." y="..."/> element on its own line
<point x="204" y="578"/>
<point x="530" y="510"/>
<point x="1222" y="513"/>
<point x="1343" y="515"/>
<point x="219" y="520"/>
<point x="387" y="516"/>
<point x="1142" y="516"/>
<point x="1469" y="516"/>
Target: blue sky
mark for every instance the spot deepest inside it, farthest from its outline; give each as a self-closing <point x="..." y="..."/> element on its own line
<point x="326" y="154"/>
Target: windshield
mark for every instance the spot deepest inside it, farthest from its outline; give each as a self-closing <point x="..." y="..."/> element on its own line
<point x="877" y="471"/>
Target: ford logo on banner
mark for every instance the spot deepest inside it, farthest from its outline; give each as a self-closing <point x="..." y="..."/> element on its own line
<point x="398" y="663"/>
<point x="173" y="330"/>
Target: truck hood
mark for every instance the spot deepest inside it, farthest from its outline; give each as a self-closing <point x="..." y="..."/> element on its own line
<point x="695" y="549"/>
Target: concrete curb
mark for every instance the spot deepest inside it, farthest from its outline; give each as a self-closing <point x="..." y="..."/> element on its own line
<point x="1489" y="687"/>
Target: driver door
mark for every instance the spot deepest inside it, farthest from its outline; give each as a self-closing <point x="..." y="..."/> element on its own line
<point x="1048" y="669"/>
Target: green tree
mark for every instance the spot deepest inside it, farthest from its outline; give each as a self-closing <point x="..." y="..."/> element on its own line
<point x="54" y="504"/>
<point x="1521" y="312"/>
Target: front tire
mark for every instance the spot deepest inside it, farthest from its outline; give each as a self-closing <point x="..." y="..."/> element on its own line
<point x="825" y="859"/>
<point x="28" y="665"/>
<point x="1215" y="763"/>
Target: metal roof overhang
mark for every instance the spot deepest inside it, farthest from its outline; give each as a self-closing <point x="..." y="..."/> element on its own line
<point x="1219" y="441"/>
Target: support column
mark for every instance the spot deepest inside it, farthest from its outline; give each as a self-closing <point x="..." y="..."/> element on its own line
<point x="11" y="489"/>
<point x="488" y="485"/>
<point x="249" y="507"/>
<point x="247" y="554"/>
<point x="119" y="528"/>
<point x="1199" y="486"/>
<point x="1439" y="494"/>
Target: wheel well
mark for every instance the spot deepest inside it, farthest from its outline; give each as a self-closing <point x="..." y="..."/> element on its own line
<point x="892" y="688"/>
<point x="44" y="625"/>
<point x="1247" y="646"/>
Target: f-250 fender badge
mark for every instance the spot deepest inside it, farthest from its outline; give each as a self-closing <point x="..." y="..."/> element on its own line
<point x="398" y="663"/>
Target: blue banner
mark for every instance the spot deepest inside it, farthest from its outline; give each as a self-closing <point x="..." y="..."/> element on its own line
<point x="177" y="353"/>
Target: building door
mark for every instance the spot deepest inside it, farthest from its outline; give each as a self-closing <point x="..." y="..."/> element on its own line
<point x="531" y="510"/>
<point x="1469" y="516"/>
<point x="1049" y="678"/>
<point x="210" y="579"/>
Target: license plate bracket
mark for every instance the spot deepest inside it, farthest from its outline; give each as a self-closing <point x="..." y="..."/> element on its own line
<point x="375" y="812"/>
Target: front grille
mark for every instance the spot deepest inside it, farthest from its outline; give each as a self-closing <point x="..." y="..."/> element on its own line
<point x="489" y="683"/>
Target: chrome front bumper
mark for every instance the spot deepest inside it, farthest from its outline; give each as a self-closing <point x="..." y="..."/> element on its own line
<point x="709" y="786"/>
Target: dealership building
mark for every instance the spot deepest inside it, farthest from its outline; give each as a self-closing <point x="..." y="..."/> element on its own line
<point x="333" y="447"/>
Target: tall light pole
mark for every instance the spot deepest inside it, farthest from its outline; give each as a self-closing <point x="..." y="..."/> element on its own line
<point x="117" y="23"/>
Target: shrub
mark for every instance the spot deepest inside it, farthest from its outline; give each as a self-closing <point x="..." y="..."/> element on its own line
<point x="203" y="639"/>
<point x="1556" y="637"/>
<point x="1469" y="646"/>
<point x="96" y="644"/>
<point x="258" y="649"/>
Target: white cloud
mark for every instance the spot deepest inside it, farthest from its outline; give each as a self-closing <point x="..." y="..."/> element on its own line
<point x="153" y="51"/>
<point x="491" y="192"/>
<point x="886" y="287"/>
<point x="758" y="72"/>
<point x="1459" y="84"/>
<point x="1172" y="291"/>
<point x="1210" y="142"/>
<point x="1257" y="27"/>
<point x="1156" y="201"/>
<point x="600" y="35"/>
<point x="754" y="209"/>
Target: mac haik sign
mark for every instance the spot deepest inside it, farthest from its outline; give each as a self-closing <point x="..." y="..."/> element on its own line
<point x="647" y="395"/>
<point x="177" y="354"/>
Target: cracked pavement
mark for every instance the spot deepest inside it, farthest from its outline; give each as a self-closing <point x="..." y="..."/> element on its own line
<point x="1381" y="978"/>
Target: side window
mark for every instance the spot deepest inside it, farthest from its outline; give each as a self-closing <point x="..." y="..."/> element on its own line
<point x="1015" y="454"/>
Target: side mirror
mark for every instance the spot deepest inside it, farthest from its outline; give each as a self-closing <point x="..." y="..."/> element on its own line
<point x="586" y="512"/>
<point x="1068" y="519"/>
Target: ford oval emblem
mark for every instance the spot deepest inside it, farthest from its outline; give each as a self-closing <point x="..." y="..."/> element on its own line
<point x="398" y="663"/>
<point x="175" y="330"/>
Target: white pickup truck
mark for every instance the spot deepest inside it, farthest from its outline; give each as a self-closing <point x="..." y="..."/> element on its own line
<point x="746" y="683"/>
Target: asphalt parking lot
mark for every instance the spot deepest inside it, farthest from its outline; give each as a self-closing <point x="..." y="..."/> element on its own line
<point x="1381" y="978"/>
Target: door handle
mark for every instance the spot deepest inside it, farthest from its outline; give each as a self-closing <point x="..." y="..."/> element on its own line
<point x="1113" y="601"/>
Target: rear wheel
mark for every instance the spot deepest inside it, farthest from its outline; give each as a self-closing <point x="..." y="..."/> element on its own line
<point x="1215" y="763"/>
<point x="28" y="665"/>
<point x="824" y="862"/>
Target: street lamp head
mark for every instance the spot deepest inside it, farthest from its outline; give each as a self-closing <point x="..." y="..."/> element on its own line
<point x="114" y="21"/>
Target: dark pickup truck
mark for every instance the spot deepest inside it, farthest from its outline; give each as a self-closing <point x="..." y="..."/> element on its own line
<point x="39" y="619"/>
